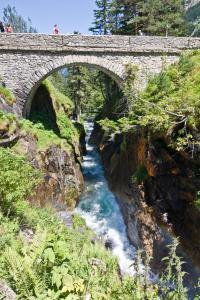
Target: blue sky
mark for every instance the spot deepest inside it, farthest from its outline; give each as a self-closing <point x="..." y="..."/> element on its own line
<point x="70" y="15"/>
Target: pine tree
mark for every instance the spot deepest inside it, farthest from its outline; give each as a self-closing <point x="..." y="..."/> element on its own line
<point x="83" y="89"/>
<point x="116" y="16"/>
<point x="129" y="8"/>
<point x="156" y="17"/>
<point x="11" y="16"/>
<point x="193" y="20"/>
<point x="101" y="17"/>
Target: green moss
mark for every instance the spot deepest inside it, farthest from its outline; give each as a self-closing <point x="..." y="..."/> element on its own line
<point x="45" y="138"/>
<point x="171" y="97"/>
<point x="67" y="129"/>
<point x="8" y="123"/>
<point x="7" y="95"/>
<point x="197" y="202"/>
<point x="63" y="131"/>
<point x="60" y="101"/>
<point x="140" y="174"/>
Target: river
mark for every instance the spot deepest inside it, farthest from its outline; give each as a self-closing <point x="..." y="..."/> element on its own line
<point x="99" y="207"/>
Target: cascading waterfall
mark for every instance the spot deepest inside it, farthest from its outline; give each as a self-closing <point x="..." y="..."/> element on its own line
<point x="100" y="209"/>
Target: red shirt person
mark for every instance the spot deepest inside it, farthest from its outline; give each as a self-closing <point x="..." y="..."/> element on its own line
<point x="9" y="29"/>
<point x="55" y="29"/>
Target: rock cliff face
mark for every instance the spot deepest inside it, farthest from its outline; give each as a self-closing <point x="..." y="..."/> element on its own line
<point x="63" y="180"/>
<point x="40" y="141"/>
<point x="156" y="189"/>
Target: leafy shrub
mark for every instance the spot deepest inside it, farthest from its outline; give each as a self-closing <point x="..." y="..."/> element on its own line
<point x="8" y="123"/>
<point x="121" y="125"/>
<point x="17" y="178"/>
<point x="170" y="105"/>
<point x="67" y="129"/>
<point x="7" y="95"/>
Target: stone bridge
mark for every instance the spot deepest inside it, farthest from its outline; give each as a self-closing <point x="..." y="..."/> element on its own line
<point x="27" y="59"/>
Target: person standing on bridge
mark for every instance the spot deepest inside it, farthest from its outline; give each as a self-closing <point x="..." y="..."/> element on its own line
<point x="9" y="29"/>
<point x="2" y="29"/>
<point x="55" y="29"/>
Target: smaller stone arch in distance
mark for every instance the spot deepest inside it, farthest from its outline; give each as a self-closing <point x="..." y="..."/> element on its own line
<point x="115" y="70"/>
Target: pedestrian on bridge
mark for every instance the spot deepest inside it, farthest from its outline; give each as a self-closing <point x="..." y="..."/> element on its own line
<point x="55" y="29"/>
<point x="9" y="28"/>
<point x="2" y="29"/>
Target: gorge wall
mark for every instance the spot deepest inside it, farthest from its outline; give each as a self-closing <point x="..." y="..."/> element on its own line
<point x="41" y="142"/>
<point x="156" y="189"/>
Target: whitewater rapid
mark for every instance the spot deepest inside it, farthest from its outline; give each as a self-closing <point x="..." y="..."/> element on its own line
<point x="99" y="208"/>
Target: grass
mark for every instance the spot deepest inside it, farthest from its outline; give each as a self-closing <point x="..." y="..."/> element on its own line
<point x="61" y="102"/>
<point x="45" y="138"/>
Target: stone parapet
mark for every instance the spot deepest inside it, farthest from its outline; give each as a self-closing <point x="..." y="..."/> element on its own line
<point x="102" y="43"/>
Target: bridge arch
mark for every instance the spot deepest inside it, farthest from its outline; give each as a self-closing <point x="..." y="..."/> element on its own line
<point x="42" y="71"/>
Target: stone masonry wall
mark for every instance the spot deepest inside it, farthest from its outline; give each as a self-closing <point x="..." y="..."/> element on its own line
<point x="26" y="59"/>
<point x="34" y="42"/>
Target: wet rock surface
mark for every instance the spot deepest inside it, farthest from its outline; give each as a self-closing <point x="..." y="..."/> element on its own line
<point x="158" y="205"/>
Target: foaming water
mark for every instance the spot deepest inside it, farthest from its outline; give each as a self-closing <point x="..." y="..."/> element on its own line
<point x="100" y="209"/>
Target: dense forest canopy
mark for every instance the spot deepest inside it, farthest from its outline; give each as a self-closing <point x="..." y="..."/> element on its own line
<point x="153" y="17"/>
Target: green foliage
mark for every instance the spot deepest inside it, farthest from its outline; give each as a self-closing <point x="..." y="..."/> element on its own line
<point x="170" y="105"/>
<point x="14" y="169"/>
<point x="156" y="17"/>
<point x="197" y="202"/>
<point x="60" y="101"/>
<point x="45" y="138"/>
<point x="101" y="17"/>
<point x="8" y="124"/>
<point x="54" y="262"/>
<point x="153" y="17"/>
<point x="84" y="87"/>
<point x="8" y="232"/>
<point x="140" y="174"/>
<point x="121" y="125"/>
<point x="116" y="16"/>
<point x="59" y="80"/>
<point x="173" y="275"/>
<point x="57" y="264"/>
<point x="78" y="222"/>
<point x="7" y="95"/>
<point x="61" y="133"/>
<point x="67" y="129"/>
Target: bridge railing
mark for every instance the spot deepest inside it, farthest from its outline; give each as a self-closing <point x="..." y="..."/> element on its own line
<point x="112" y="43"/>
